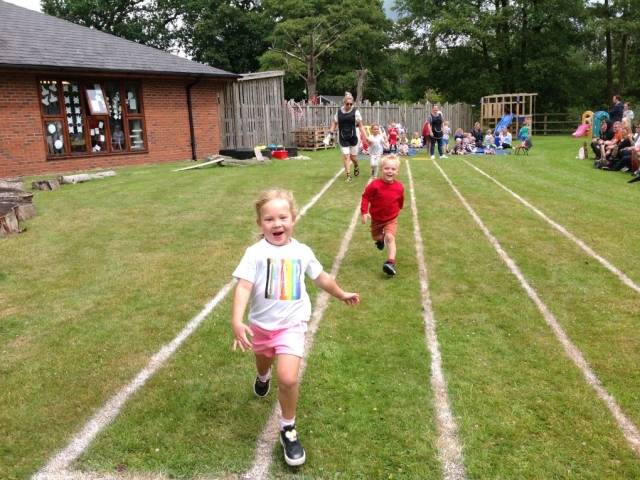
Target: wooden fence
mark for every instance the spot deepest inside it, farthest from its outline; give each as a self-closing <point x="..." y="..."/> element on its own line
<point x="255" y="113"/>
<point x="252" y="111"/>
<point x="412" y="117"/>
<point x="555" y="123"/>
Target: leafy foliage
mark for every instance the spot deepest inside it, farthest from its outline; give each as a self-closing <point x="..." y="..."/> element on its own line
<point x="573" y="53"/>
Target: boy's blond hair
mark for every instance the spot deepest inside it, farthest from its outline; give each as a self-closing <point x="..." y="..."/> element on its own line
<point x="389" y="159"/>
<point x="276" y="193"/>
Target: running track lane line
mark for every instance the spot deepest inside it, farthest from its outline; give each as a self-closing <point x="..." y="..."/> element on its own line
<point x="626" y="280"/>
<point x="57" y="467"/>
<point x="270" y="435"/>
<point x="626" y="426"/>
<point x="449" y="447"/>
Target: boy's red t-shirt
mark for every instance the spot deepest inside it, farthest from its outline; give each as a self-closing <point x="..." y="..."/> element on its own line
<point x="382" y="200"/>
<point x="393" y="135"/>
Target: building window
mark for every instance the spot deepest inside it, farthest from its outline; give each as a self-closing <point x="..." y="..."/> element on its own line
<point x="90" y="118"/>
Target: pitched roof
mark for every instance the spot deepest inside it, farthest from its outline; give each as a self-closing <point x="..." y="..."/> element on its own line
<point x="34" y="40"/>
<point x="331" y="99"/>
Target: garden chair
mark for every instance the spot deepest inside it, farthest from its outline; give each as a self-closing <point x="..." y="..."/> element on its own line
<point x="525" y="146"/>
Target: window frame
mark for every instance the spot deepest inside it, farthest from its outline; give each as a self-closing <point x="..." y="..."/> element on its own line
<point x="87" y="90"/>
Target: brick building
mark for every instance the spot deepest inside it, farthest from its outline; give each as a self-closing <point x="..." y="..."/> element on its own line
<point x="73" y="98"/>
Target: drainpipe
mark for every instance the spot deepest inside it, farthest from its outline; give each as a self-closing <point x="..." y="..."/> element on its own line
<point x="194" y="155"/>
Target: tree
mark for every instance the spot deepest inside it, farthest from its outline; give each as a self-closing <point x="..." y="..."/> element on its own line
<point x="318" y="37"/>
<point x="300" y="45"/>
<point x="230" y="35"/>
<point x="466" y="50"/>
<point x="150" y="22"/>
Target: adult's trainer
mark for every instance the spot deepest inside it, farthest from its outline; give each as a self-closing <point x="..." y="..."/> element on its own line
<point x="348" y="120"/>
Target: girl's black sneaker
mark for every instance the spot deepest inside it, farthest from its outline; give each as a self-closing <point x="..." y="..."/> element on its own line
<point x="293" y="451"/>
<point x="261" y="388"/>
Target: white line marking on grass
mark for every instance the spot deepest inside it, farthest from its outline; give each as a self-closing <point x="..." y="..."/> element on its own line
<point x="58" y="465"/>
<point x="626" y="280"/>
<point x="628" y="428"/>
<point x="271" y="433"/>
<point x="449" y="447"/>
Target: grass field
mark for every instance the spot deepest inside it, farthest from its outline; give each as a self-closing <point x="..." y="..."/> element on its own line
<point x="531" y="284"/>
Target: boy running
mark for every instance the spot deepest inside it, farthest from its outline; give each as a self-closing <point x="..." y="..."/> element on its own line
<point x="382" y="200"/>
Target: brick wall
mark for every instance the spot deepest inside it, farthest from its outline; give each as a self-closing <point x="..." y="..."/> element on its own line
<point x="22" y="140"/>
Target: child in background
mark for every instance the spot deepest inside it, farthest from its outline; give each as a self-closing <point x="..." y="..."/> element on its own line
<point x="377" y="144"/>
<point x="525" y="131"/>
<point x="446" y="134"/>
<point x="489" y="141"/>
<point x="271" y="277"/>
<point x="458" y="148"/>
<point x="364" y="146"/>
<point x="382" y="200"/>
<point x="426" y="136"/>
<point x="459" y="134"/>
<point x="469" y="144"/>
<point x="416" y="142"/>
<point x="393" y="133"/>
<point x="403" y="149"/>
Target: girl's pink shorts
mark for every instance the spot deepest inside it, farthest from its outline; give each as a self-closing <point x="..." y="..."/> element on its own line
<point x="289" y="340"/>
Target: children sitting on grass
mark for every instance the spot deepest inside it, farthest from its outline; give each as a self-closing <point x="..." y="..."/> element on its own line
<point x="458" y="148"/>
<point x="416" y="141"/>
<point x="403" y="149"/>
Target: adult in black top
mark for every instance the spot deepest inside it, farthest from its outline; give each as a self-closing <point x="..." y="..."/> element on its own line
<point x="435" y="121"/>
<point x="478" y="134"/>
<point x="616" y="113"/>
<point x="348" y="120"/>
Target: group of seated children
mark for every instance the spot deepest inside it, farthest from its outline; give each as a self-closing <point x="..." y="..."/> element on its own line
<point x="396" y="140"/>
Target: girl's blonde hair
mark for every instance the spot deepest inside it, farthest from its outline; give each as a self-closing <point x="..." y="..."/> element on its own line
<point x="272" y="194"/>
<point x="347" y="95"/>
<point x="389" y="159"/>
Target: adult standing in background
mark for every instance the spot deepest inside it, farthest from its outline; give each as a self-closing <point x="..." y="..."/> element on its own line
<point x="435" y="121"/>
<point x="627" y="112"/>
<point x="348" y="120"/>
<point x="615" y="115"/>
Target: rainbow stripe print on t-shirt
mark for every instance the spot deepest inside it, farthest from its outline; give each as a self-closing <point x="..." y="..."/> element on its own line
<point x="283" y="279"/>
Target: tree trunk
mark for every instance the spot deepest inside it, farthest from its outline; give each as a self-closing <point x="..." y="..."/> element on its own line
<point x="622" y="72"/>
<point x="23" y="209"/>
<point x="13" y="183"/>
<point x="45" y="184"/>
<point x="608" y="51"/>
<point x="84" y="177"/>
<point x="361" y="76"/>
<point x="11" y="194"/>
<point x="8" y="219"/>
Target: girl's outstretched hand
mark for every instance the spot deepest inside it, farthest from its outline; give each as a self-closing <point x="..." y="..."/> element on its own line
<point x="351" y="298"/>
<point x="240" y="331"/>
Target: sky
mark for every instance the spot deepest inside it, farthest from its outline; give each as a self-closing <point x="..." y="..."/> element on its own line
<point x="30" y="4"/>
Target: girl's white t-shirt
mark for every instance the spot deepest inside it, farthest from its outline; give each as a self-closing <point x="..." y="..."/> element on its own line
<point x="375" y="144"/>
<point x="279" y="297"/>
